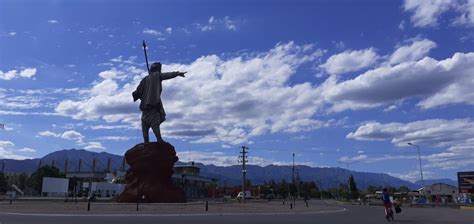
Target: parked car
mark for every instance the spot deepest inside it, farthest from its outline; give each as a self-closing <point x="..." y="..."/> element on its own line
<point x="247" y="195"/>
<point x="271" y="196"/>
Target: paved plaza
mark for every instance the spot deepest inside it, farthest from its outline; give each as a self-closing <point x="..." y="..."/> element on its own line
<point x="252" y="212"/>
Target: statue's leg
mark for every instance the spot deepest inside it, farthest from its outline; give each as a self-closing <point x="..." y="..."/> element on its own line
<point x="145" y="130"/>
<point x="156" y="130"/>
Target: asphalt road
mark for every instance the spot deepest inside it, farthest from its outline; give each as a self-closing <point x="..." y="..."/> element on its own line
<point x="338" y="214"/>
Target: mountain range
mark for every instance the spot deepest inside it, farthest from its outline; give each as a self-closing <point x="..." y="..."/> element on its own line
<point x="324" y="177"/>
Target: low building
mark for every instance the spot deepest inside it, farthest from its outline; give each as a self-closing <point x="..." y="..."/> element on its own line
<point x="440" y="193"/>
<point x="104" y="189"/>
<point x="187" y="176"/>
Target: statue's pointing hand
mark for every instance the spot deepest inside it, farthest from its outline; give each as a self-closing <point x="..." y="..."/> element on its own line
<point x="181" y="74"/>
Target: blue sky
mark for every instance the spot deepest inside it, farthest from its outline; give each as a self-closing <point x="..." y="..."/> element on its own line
<point x="329" y="80"/>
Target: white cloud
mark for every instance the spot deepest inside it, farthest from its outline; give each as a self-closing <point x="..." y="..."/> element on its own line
<point x="401" y="26"/>
<point x="114" y="138"/>
<point x="69" y="135"/>
<point x="169" y="30"/>
<point x="6" y="151"/>
<point x="94" y="146"/>
<point x="340" y="45"/>
<point x="151" y="32"/>
<point x="12" y="33"/>
<point x="26" y="150"/>
<point x="112" y="74"/>
<point x="413" y="175"/>
<point x="436" y="82"/>
<point x="110" y="127"/>
<point x="349" y="61"/>
<point x="412" y="52"/>
<point x="214" y="23"/>
<point x="49" y="134"/>
<point x="221" y="159"/>
<point x="426" y="13"/>
<point x="229" y="24"/>
<point x="53" y="21"/>
<point x="32" y="101"/>
<point x="27" y="73"/>
<point x="433" y="132"/>
<point x="456" y="135"/>
<point x="5" y="144"/>
<point x="79" y="139"/>
<point x="467" y="14"/>
<point x="358" y="158"/>
<point x="203" y="105"/>
<point x="72" y="135"/>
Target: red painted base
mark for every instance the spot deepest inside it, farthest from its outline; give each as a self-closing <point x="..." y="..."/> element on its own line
<point x="149" y="176"/>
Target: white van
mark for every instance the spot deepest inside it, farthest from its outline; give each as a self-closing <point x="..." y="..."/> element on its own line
<point x="247" y="195"/>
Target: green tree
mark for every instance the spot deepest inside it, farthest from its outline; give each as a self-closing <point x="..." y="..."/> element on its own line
<point x="22" y="181"/>
<point x="326" y="194"/>
<point x="283" y="188"/>
<point x="343" y="191"/>
<point x="3" y="183"/>
<point x="354" y="193"/>
<point x="36" y="179"/>
<point x="371" y="189"/>
<point x="403" y="189"/>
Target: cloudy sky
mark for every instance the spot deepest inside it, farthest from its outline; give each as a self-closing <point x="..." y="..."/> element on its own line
<point x="332" y="81"/>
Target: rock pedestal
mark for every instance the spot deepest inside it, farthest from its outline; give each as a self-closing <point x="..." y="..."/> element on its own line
<point x="149" y="175"/>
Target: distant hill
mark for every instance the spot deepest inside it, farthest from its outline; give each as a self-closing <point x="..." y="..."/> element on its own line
<point x="230" y="175"/>
<point x="434" y="181"/>
<point x="71" y="155"/>
<point x="324" y="177"/>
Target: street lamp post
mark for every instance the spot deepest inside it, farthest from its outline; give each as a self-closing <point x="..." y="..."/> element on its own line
<point x="293" y="174"/>
<point x="421" y="169"/>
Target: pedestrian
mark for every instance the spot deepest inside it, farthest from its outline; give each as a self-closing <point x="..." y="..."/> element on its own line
<point x="387" y="204"/>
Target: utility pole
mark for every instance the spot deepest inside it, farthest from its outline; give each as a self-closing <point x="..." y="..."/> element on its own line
<point x="243" y="159"/>
<point x="298" y="182"/>
<point x="65" y="166"/>
<point x="348" y="179"/>
<point x="91" y="173"/>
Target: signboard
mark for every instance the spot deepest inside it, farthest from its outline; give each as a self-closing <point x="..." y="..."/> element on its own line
<point x="54" y="186"/>
<point x="466" y="182"/>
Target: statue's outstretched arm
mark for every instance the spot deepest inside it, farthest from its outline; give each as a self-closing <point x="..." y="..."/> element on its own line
<point x="170" y="75"/>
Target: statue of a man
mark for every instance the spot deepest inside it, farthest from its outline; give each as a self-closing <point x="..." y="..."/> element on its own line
<point x="149" y="92"/>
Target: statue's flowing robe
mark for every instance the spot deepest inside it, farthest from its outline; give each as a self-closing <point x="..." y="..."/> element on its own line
<point x="149" y="92"/>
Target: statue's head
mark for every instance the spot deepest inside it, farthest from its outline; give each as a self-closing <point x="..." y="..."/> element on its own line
<point x="155" y="67"/>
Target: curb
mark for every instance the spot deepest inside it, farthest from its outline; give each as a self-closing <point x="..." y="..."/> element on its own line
<point x="466" y="208"/>
<point x="176" y="215"/>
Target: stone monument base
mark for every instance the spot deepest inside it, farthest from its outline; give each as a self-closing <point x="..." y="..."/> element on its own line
<point x="149" y="176"/>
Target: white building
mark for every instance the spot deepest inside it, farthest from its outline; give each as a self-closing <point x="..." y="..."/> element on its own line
<point x="104" y="189"/>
